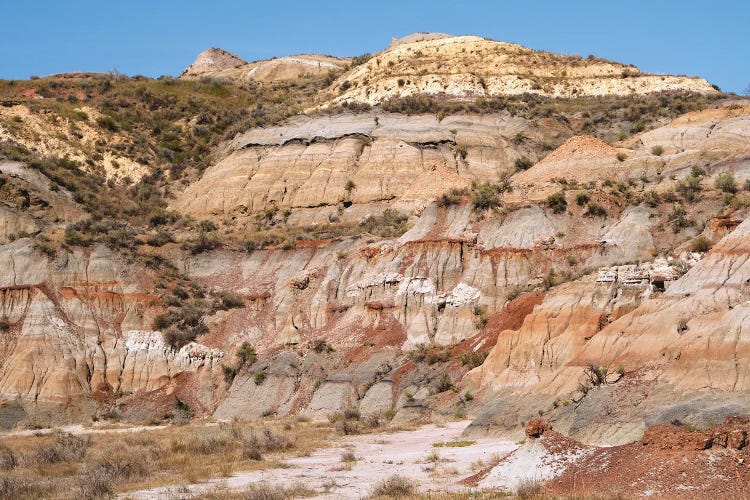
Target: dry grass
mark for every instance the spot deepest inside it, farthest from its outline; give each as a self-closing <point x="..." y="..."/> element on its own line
<point x="61" y="465"/>
<point x="261" y="491"/>
<point x="529" y="488"/>
<point x="394" y="487"/>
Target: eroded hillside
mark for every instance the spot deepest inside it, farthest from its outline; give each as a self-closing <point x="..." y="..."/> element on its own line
<point x="204" y="242"/>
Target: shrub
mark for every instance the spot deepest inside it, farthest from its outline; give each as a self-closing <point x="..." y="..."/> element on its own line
<point x="582" y="199"/>
<point x="595" y="375"/>
<point x="679" y="219"/>
<point x="651" y="198"/>
<point x="484" y="195"/>
<point x="209" y="441"/>
<point x="263" y="491"/>
<point x="229" y="373"/>
<point x="66" y="447"/>
<point x="124" y="462"/>
<point x="657" y="150"/>
<point x="225" y="300"/>
<point x="320" y="346"/>
<point x="452" y="197"/>
<point x="349" y="186"/>
<point x="8" y="459"/>
<point x="391" y="224"/>
<point x="351" y="414"/>
<point x="203" y="243"/>
<point x="438" y="357"/>
<point x="621" y="156"/>
<point x="697" y="171"/>
<point x="160" y="238"/>
<point x="349" y="427"/>
<point x="689" y="187"/>
<point x="524" y="163"/>
<point x="444" y="383"/>
<point x="246" y="354"/>
<point x="595" y="210"/>
<point x="557" y="202"/>
<point x="638" y="126"/>
<point x="394" y="487"/>
<point x="472" y="359"/>
<point x="725" y="182"/>
<point x="701" y="244"/>
<point x="480" y="316"/>
<point x="107" y="123"/>
<point x="260" y="377"/>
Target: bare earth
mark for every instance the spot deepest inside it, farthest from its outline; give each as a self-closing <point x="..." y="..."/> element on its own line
<point x="379" y="456"/>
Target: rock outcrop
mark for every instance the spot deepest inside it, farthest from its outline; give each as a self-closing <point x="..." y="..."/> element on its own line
<point x="218" y="63"/>
<point x="680" y="350"/>
<point x="76" y="328"/>
<point x="211" y="62"/>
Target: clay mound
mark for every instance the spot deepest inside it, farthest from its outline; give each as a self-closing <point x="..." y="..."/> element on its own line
<point x="581" y="158"/>
<point x="671" y="461"/>
<point x="211" y="61"/>
<point x="541" y="459"/>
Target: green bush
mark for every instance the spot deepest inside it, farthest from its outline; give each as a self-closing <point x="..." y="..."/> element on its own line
<point x="689" y="187"/>
<point x="595" y="210"/>
<point x="678" y="219"/>
<point x="107" y="123"/>
<point x="700" y="244"/>
<point x="725" y="182"/>
<point x="582" y="199"/>
<point x="557" y="202"/>
<point x="260" y="377"/>
<point x="452" y="197"/>
<point x="485" y="195"/>
<point x="651" y="198"/>
<point x="472" y="359"/>
<point x="389" y="225"/>
<point x="697" y="171"/>
<point x="246" y="354"/>
<point x="638" y="126"/>
<point x="524" y="163"/>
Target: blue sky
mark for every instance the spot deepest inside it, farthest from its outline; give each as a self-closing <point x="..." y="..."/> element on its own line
<point x="709" y="39"/>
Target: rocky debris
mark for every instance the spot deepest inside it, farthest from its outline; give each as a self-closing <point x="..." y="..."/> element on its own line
<point x="671" y="461"/>
<point x="536" y="427"/>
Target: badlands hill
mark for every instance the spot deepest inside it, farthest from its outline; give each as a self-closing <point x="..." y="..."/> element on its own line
<point x="218" y="63"/>
<point x="465" y="67"/>
<point x="321" y="244"/>
<point x="455" y="67"/>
